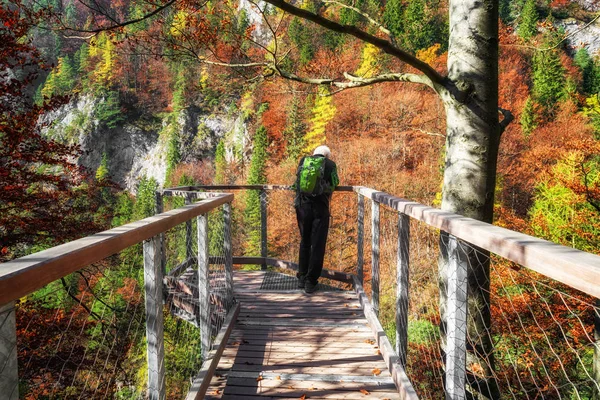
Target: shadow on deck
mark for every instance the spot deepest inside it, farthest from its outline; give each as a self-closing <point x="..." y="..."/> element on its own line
<point x="289" y="344"/>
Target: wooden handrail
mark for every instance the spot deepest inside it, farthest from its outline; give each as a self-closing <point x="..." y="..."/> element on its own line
<point x="26" y="274"/>
<point x="181" y="189"/>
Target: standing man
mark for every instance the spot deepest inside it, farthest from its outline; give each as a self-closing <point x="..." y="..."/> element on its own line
<point x="316" y="179"/>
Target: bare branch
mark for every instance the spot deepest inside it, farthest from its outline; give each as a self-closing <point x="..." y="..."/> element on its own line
<point x="382" y="28"/>
<point x="116" y="24"/>
<point x="239" y="65"/>
<point x="357" y="81"/>
<point x="428" y="132"/>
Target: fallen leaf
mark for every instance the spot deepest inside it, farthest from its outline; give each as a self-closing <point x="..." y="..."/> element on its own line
<point x="260" y="378"/>
<point x="303" y="397"/>
<point x="235" y="343"/>
<point x="345" y="305"/>
<point x="378" y="352"/>
<point x="278" y="377"/>
<point x="364" y="391"/>
<point x="217" y="391"/>
<point x="370" y="341"/>
<point x="376" y="371"/>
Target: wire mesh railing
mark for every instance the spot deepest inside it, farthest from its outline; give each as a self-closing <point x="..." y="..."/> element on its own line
<point x="101" y="322"/>
<point x="481" y="326"/>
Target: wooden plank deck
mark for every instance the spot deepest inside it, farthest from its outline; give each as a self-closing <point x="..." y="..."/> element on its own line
<point x="288" y="344"/>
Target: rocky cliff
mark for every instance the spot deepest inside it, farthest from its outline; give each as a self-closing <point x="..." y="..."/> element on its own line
<point x="137" y="146"/>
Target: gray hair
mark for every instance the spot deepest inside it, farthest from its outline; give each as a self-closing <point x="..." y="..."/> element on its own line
<point x="322" y="150"/>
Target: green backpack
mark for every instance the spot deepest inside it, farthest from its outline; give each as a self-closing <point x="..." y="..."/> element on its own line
<point x="311" y="176"/>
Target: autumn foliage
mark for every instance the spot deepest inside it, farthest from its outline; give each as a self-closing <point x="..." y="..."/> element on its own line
<point x="45" y="197"/>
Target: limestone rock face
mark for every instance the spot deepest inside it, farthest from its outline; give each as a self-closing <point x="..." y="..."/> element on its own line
<point x="588" y="37"/>
<point x="138" y="147"/>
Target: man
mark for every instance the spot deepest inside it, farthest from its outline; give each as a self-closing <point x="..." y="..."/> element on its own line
<point x="316" y="179"/>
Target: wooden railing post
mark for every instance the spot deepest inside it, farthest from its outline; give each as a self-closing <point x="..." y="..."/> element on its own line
<point x="9" y="374"/>
<point x="596" y="360"/>
<point x="263" y="227"/>
<point x="456" y="321"/>
<point x="189" y="251"/>
<point x="360" y="239"/>
<point x="163" y="248"/>
<point x="228" y="252"/>
<point x="203" y="284"/>
<point x="153" y="278"/>
<point x="402" y="287"/>
<point x="375" y="255"/>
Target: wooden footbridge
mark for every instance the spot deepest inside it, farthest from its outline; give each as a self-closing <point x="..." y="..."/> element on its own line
<point x="261" y="337"/>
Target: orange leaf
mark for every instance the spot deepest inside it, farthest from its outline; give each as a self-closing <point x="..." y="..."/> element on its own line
<point x="364" y="391"/>
<point x="260" y="378"/>
<point x="278" y="377"/>
<point x="303" y="397"/>
<point x="376" y="371"/>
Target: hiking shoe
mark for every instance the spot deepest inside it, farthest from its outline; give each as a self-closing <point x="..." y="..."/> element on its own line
<point x="310" y="287"/>
<point x="301" y="282"/>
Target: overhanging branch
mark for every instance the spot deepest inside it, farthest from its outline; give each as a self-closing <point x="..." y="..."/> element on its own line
<point x="382" y="44"/>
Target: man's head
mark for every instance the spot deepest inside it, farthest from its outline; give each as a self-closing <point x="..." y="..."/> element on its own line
<point x="322" y="150"/>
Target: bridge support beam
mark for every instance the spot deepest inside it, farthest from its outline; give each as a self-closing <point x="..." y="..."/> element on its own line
<point x="456" y="321"/>
<point x="203" y="285"/>
<point x="9" y="374"/>
<point x="163" y="249"/>
<point x="360" y="239"/>
<point x="228" y="252"/>
<point x="263" y="227"/>
<point x="153" y="279"/>
<point x="375" y="255"/>
<point x="189" y="234"/>
<point x="402" y="287"/>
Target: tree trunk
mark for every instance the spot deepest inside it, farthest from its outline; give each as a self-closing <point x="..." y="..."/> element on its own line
<point x="473" y="136"/>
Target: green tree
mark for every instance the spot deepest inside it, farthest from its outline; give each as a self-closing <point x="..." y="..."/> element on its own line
<point x="109" y="111"/>
<point x="145" y="201"/>
<point x="301" y="36"/>
<point x="548" y="79"/>
<point x="592" y="111"/>
<point x="528" y="117"/>
<point x="419" y="30"/>
<point x="590" y="71"/>
<point x="528" y="21"/>
<point x="504" y="9"/>
<point x="294" y="131"/>
<point x="220" y="163"/>
<point x="173" y="153"/>
<point x="562" y="215"/>
<point x="102" y="171"/>
<point x="65" y="76"/>
<point x="393" y="17"/>
<point x="256" y="176"/>
<point x="123" y="212"/>
<point x="49" y="88"/>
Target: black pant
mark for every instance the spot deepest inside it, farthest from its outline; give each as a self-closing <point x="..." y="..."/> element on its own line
<point x="313" y="221"/>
